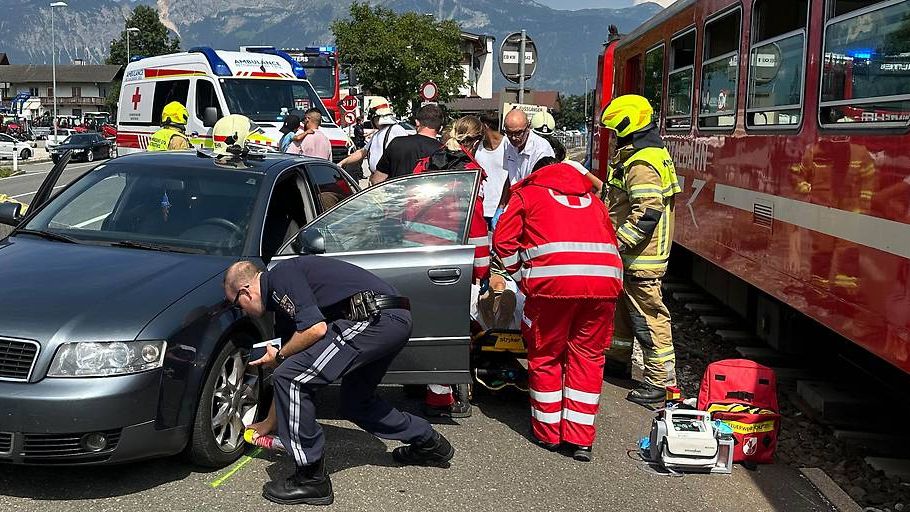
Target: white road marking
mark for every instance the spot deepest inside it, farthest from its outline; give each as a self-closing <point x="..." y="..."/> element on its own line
<point x="41" y="173"/>
<point x="91" y="221"/>
<point x="33" y="192"/>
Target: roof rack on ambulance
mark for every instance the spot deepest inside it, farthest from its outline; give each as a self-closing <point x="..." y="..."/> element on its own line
<point x="218" y="65"/>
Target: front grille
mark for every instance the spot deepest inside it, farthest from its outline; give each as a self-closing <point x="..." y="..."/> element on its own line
<point x="17" y="358"/>
<point x="40" y="446"/>
<point x="6" y="443"/>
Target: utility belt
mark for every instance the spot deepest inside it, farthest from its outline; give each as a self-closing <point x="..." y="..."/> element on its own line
<point x="363" y="306"/>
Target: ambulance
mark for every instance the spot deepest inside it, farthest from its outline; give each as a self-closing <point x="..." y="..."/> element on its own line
<point x="261" y="83"/>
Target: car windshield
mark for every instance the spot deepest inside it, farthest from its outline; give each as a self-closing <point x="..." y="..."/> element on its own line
<point x="82" y="138"/>
<point x="322" y="78"/>
<point x="184" y="210"/>
<point x="269" y="100"/>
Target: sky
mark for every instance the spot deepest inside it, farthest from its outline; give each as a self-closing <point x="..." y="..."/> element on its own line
<point x="572" y="5"/>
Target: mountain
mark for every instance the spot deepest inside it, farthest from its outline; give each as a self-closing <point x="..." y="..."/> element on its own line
<point x="568" y="41"/>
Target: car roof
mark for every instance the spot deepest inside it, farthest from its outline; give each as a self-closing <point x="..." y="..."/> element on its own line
<point x="270" y="162"/>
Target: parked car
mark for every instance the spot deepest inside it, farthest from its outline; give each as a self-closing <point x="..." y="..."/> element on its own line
<point x="54" y="140"/>
<point x="87" y="146"/>
<point x="10" y="146"/>
<point x="120" y="344"/>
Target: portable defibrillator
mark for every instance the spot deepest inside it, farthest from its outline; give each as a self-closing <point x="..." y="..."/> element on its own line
<point x="683" y="440"/>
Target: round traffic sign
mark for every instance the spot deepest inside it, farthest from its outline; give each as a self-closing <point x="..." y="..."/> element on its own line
<point x="349" y="103"/>
<point x="509" y="53"/>
<point x="350" y="118"/>
<point x="429" y="91"/>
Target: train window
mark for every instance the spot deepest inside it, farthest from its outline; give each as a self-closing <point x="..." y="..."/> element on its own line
<point x="841" y="7"/>
<point x="776" y="62"/>
<point x="679" y="81"/>
<point x="654" y="78"/>
<point x="720" y="72"/>
<point x="866" y="67"/>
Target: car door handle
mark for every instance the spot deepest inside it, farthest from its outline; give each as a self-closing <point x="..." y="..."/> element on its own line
<point x="446" y="275"/>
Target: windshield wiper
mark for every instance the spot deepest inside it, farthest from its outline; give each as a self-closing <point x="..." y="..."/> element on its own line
<point x="50" y="235"/>
<point x="132" y="244"/>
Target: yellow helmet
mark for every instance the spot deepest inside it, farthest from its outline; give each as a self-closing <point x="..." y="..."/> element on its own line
<point x="230" y="134"/>
<point x="543" y="123"/>
<point x="174" y="113"/>
<point x="627" y="114"/>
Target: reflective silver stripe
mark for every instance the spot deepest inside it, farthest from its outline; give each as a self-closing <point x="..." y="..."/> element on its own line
<point x="307" y="375"/>
<point x="619" y="342"/>
<point x="437" y="389"/>
<point x="582" y="396"/>
<point x="571" y="270"/>
<point x="578" y="417"/>
<point x="525" y="320"/>
<point x="546" y="397"/>
<point x="482" y="262"/>
<point x="479" y="240"/>
<point x="510" y="260"/>
<point x="546" y="417"/>
<point x="555" y="247"/>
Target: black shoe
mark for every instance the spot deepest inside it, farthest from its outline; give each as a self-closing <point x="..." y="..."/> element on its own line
<point x="550" y="447"/>
<point x="647" y="394"/>
<point x="583" y="454"/>
<point x="435" y="452"/>
<point x="310" y="485"/>
<point x="456" y="410"/>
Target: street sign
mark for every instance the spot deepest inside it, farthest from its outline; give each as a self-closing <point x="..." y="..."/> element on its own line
<point x="349" y="103"/>
<point x="530" y="110"/>
<point x="509" y="58"/>
<point x="429" y="91"/>
<point x="350" y="118"/>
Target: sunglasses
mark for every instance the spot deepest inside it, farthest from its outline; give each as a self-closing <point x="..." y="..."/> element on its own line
<point x="236" y="301"/>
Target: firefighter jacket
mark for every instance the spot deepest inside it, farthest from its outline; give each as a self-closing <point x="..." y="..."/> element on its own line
<point x="478" y="235"/>
<point x="557" y="233"/>
<point x="164" y="140"/>
<point x="643" y="184"/>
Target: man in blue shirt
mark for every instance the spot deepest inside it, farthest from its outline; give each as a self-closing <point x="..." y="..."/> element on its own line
<point x="337" y="321"/>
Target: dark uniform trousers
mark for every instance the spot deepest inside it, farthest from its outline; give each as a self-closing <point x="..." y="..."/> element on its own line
<point x="359" y="353"/>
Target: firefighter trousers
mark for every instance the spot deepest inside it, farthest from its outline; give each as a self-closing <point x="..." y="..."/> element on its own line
<point x="358" y="353"/>
<point x="641" y="314"/>
<point x="566" y="340"/>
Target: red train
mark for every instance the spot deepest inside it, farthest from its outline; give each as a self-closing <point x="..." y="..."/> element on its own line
<point x="788" y="121"/>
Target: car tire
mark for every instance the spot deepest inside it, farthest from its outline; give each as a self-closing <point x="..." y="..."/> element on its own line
<point x="213" y="446"/>
<point x="110" y="153"/>
<point x="89" y="156"/>
<point x="25" y="154"/>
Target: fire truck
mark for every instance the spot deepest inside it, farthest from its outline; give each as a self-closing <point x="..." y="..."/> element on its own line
<point x="788" y="122"/>
<point x="326" y="75"/>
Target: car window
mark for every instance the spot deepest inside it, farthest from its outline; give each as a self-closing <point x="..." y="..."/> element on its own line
<point x="328" y="185"/>
<point x="414" y="211"/>
<point x="286" y="213"/>
<point x="5" y="138"/>
<point x="198" y="209"/>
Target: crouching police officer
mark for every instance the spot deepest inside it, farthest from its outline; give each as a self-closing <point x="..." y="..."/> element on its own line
<point x="338" y="322"/>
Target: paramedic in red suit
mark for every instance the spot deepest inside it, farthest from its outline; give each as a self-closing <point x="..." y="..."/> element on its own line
<point x="557" y="236"/>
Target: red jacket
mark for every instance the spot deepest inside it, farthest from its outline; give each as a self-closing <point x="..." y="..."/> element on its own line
<point x="560" y="236"/>
<point x="478" y="235"/>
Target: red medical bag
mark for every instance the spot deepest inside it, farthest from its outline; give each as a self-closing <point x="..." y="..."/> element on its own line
<point x="743" y="394"/>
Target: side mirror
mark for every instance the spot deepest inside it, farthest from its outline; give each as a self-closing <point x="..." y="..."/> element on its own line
<point x="309" y="242"/>
<point x="10" y="213"/>
<point x="209" y="117"/>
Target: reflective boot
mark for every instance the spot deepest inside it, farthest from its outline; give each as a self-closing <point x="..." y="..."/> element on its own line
<point x="309" y="485"/>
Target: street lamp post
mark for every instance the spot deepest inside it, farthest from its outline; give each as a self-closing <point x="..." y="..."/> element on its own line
<point x="586" y="101"/>
<point x="54" y="63"/>
<point x="129" y="30"/>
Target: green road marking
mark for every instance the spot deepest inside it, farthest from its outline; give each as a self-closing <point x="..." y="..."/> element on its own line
<point x="237" y="467"/>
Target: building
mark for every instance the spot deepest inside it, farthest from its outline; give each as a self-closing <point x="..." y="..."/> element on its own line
<point x="478" y="60"/>
<point x="549" y="99"/>
<point x="80" y="87"/>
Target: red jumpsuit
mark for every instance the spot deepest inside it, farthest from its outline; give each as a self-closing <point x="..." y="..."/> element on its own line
<point x="559" y="235"/>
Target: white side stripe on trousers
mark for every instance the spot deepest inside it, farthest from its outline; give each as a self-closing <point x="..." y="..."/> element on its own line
<point x="582" y="396"/>
<point x="577" y="417"/>
<point x="546" y="397"/>
<point x="308" y="375"/>
<point x="545" y="417"/>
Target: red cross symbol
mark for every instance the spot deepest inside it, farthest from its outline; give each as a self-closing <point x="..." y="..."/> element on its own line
<point x="136" y="99"/>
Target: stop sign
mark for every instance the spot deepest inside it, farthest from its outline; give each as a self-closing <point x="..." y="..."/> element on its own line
<point x="349" y="103"/>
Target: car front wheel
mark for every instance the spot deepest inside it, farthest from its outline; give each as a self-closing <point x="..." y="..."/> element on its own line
<point x="229" y="401"/>
<point x="89" y="156"/>
<point x="25" y="154"/>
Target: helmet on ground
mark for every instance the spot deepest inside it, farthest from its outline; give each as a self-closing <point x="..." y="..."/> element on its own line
<point x="627" y="114"/>
<point x="230" y="134"/>
<point x="174" y="113"/>
<point x="543" y="123"/>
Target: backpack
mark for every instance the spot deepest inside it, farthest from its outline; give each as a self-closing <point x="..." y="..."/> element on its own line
<point x="743" y="394"/>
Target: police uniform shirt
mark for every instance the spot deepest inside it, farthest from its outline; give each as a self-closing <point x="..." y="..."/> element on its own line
<point x="298" y="290"/>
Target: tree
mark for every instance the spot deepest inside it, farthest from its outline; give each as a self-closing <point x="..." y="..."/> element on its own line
<point x="153" y="39"/>
<point x="394" y="54"/>
<point x="571" y="112"/>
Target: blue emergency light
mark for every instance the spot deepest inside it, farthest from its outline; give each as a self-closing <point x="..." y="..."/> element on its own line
<point x="218" y="65"/>
<point x="861" y="54"/>
<point x="296" y="67"/>
<point x="134" y="58"/>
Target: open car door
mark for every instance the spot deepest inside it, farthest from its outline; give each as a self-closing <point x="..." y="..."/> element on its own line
<point x="412" y="232"/>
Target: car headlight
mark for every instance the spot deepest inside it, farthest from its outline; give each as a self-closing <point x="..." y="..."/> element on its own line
<point x="93" y="359"/>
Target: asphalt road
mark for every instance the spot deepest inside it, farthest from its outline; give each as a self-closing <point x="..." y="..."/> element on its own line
<point x="24" y="186"/>
<point x="495" y="468"/>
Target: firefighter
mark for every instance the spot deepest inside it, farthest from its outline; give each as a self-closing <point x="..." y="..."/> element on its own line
<point x="641" y="186"/>
<point x="559" y="235"/>
<point x="172" y="135"/>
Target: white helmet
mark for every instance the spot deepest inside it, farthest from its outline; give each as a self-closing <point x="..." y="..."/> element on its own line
<point x="543" y="123"/>
<point x="231" y="133"/>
